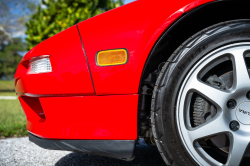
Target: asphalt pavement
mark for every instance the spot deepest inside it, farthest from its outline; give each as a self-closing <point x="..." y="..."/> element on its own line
<point x="22" y="152"/>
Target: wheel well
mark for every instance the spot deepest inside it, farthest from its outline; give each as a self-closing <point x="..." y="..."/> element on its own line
<point x="190" y="23"/>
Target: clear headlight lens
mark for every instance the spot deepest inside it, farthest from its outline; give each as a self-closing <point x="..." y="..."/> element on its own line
<point x="41" y="65"/>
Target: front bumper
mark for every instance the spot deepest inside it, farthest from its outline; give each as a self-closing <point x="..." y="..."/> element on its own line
<point x="83" y="117"/>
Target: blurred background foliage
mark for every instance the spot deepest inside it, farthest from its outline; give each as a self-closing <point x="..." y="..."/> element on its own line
<point x="13" y="15"/>
<point x="53" y="16"/>
<point x="10" y="57"/>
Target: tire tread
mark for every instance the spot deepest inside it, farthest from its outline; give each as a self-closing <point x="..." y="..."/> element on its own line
<point x="162" y="83"/>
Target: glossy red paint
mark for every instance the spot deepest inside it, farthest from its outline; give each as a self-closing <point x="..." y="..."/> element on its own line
<point x="87" y="117"/>
<point x="80" y="114"/>
<point x="70" y="74"/>
<point x="136" y="27"/>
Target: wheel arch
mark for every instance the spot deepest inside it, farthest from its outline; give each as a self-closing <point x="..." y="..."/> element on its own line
<point x="193" y="21"/>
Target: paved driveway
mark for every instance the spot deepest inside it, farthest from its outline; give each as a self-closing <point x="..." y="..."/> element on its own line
<point x="21" y="152"/>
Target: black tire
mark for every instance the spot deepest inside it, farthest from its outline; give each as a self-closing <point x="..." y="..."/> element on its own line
<point x="163" y="105"/>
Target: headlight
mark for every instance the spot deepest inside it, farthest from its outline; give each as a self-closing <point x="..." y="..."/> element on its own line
<point x="41" y="65"/>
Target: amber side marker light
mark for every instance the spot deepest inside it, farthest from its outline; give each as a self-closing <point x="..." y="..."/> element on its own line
<point x="112" y="57"/>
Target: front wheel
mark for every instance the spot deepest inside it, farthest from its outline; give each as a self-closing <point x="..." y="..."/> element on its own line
<point x="201" y="101"/>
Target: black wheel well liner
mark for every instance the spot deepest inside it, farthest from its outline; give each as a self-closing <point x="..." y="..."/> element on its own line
<point x="186" y="26"/>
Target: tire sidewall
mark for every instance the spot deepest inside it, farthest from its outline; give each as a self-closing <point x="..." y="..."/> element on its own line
<point x="171" y="79"/>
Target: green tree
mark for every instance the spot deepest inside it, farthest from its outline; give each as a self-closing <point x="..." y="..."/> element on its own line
<point x="53" y="16"/>
<point x="10" y="57"/>
<point x="14" y="14"/>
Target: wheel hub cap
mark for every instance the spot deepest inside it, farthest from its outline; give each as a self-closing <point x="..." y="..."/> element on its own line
<point x="243" y="113"/>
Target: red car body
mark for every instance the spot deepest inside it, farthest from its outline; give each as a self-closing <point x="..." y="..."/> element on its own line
<point x="80" y="100"/>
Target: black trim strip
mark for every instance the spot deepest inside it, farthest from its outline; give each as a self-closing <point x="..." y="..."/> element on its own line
<point x="119" y="149"/>
<point x="86" y="59"/>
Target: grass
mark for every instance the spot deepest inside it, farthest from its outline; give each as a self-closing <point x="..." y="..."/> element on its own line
<point x="7" y="94"/>
<point x="12" y="119"/>
<point x="7" y="85"/>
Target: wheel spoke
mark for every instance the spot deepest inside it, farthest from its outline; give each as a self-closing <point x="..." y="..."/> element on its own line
<point x="217" y="125"/>
<point x="236" y="151"/>
<point x="218" y="63"/>
<point x="215" y="96"/>
<point x="241" y="76"/>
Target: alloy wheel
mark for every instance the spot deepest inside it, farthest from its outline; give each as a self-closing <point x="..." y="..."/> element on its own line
<point x="232" y="104"/>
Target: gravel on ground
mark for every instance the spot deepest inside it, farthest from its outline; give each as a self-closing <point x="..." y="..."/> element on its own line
<point x="22" y="152"/>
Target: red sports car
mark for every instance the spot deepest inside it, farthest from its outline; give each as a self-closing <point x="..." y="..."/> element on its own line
<point x="175" y="73"/>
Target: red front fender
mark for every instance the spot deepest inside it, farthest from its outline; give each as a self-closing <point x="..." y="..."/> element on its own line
<point x="136" y="27"/>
